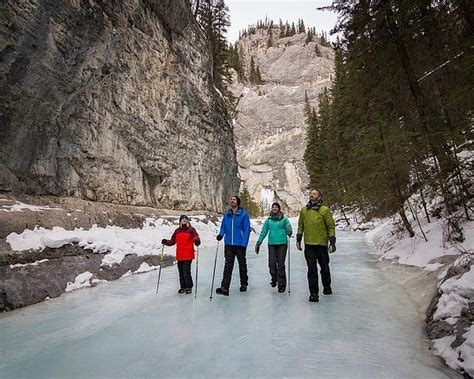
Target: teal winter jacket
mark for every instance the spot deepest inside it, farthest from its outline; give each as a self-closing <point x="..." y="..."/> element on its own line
<point x="277" y="227"/>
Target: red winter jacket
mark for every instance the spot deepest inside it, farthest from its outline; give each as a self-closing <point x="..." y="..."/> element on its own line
<point x="184" y="239"/>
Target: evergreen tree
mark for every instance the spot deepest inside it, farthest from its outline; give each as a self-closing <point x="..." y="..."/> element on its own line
<point x="293" y="29"/>
<point x="270" y="38"/>
<point x="254" y="76"/>
<point x="317" y="51"/>
<point x="389" y="112"/>
<point x="213" y="16"/>
<point x="249" y="203"/>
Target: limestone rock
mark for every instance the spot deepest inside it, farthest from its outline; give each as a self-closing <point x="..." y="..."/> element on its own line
<point x="269" y="126"/>
<point x="112" y="101"/>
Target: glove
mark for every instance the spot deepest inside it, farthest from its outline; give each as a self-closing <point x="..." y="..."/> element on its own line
<point x="163" y="241"/>
<point x="290" y="233"/>
<point x="257" y="248"/>
<point x="298" y="245"/>
<point x="332" y="244"/>
<point x="197" y="242"/>
<point x="219" y="237"/>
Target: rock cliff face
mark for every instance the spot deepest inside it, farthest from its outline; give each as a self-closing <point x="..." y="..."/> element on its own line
<point x="112" y="101"/>
<point x="270" y="130"/>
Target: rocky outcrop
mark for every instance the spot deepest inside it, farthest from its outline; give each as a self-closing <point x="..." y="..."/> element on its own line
<point x="112" y="101"/>
<point x="32" y="276"/>
<point x="269" y="128"/>
<point x="440" y="325"/>
<point x="18" y="213"/>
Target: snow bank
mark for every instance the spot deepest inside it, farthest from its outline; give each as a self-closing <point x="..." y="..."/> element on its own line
<point x="456" y="294"/>
<point x="436" y="254"/>
<point x="115" y="241"/>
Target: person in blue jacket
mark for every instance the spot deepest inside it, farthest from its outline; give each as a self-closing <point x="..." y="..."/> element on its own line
<point x="235" y="228"/>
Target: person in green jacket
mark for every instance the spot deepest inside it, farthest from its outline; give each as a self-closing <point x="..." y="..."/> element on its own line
<point x="317" y="225"/>
<point x="278" y="227"/>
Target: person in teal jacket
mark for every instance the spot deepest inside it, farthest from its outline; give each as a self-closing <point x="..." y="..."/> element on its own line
<point x="278" y="228"/>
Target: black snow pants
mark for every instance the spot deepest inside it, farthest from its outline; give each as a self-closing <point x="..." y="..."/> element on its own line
<point x="185" y="278"/>
<point x="230" y="252"/>
<point x="315" y="254"/>
<point x="276" y="263"/>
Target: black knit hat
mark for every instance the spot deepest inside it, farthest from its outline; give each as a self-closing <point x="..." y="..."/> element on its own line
<point x="275" y="204"/>
<point x="183" y="217"/>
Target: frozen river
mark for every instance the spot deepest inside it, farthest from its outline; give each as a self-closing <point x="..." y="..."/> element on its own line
<point x="368" y="329"/>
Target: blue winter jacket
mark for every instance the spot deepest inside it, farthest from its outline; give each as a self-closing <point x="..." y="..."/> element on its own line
<point x="236" y="228"/>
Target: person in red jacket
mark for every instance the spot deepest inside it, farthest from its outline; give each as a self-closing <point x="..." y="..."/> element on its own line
<point x="184" y="237"/>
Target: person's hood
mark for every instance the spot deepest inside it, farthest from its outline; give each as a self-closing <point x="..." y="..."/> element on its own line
<point x="314" y="205"/>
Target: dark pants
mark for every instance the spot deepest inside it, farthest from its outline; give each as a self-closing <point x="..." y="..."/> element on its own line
<point x="317" y="254"/>
<point x="276" y="263"/>
<point x="185" y="278"/>
<point x="230" y="252"/>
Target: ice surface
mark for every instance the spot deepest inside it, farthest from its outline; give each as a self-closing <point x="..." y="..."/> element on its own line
<point x="367" y="329"/>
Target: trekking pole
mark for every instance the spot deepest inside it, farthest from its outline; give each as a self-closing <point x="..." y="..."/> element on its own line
<point x="197" y="267"/>
<point x="159" y="271"/>
<point x="289" y="268"/>
<point x="214" y="272"/>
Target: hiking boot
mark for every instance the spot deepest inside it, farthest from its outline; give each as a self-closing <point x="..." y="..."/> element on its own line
<point x="188" y="291"/>
<point x="243" y="288"/>
<point x="181" y="290"/>
<point x="273" y="284"/>
<point x="327" y="291"/>
<point x="313" y="298"/>
<point x="281" y="289"/>
<point x="222" y="291"/>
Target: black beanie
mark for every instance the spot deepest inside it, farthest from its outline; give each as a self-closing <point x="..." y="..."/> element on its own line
<point x="183" y="217"/>
<point x="276" y="204"/>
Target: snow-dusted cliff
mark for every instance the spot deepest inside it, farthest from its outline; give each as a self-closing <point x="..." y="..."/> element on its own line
<point x="270" y="130"/>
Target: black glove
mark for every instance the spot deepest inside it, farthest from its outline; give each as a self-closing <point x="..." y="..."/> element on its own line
<point x="197" y="242"/>
<point x="299" y="237"/>
<point x="290" y="233"/>
<point x="298" y="245"/>
<point x="332" y="242"/>
<point x="163" y="241"/>
<point x="257" y="248"/>
<point x="219" y="237"/>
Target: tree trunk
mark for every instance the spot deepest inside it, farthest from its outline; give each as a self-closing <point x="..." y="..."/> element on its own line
<point x="406" y="223"/>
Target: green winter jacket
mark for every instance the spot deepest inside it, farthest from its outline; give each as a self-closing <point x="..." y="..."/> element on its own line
<point x="277" y="229"/>
<point x="317" y="225"/>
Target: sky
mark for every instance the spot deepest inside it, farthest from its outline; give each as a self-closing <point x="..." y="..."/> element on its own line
<point x="247" y="12"/>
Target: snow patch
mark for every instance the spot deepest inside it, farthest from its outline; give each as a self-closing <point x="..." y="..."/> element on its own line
<point x="81" y="281"/>
<point x="456" y="295"/>
<point x="145" y="267"/>
<point x="19" y="207"/>
<point x="29" y="264"/>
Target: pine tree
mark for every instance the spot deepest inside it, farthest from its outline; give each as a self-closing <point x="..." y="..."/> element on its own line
<point x="317" y="51"/>
<point x="383" y="118"/>
<point x="255" y="76"/>
<point x="213" y="16"/>
<point x="301" y="27"/>
<point x="247" y="202"/>
<point x="270" y="38"/>
<point x="293" y="29"/>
